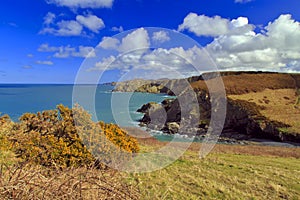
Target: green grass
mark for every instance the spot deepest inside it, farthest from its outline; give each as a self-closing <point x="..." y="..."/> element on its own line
<point x="222" y="176"/>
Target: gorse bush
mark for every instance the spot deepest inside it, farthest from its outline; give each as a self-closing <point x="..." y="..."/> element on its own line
<point x="66" y="137"/>
<point x="6" y="155"/>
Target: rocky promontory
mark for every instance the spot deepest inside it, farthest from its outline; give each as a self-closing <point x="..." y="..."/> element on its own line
<point x="259" y="105"/>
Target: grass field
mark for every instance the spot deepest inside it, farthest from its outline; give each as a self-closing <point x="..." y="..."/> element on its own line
<point x="229" y="172"/>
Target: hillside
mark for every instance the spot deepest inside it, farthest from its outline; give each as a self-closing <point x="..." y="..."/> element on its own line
<point x="259" y="105"/>
<point x="228" y="172"/>
<point x="246" y="82"/>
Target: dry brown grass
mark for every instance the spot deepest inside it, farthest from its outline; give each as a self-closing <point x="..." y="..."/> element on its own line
<point x="245" y="82"/>
<point x="36" y="182"/>
<point x="255" y="150"/>
<point x="279" y="105"/>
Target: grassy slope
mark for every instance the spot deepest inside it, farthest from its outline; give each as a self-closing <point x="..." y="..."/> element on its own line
<point x="274" y="92"/>
<point x="279" y="105"/>
<point x="234" y="173"/>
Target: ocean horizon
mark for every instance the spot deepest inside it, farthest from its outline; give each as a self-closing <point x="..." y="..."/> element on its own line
<point x="17" y="99"/>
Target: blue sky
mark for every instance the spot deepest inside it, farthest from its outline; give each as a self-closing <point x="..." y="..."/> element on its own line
<point x="47" y="41"/>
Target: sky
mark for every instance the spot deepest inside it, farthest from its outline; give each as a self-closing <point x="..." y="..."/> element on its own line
<point x="88" y="41"/>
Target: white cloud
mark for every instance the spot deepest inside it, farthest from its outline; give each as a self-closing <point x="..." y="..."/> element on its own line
<point x="49" y="18"/>
<point x="103" y="64"/>
<point x="138" y="39"/>
<point x="160" y="36"/>
<point x="109" y="43"/>
<point x="68" y="51"/>
<point x="44" y="62"/>
<point x="46" y="48"/>
<point x="83" y="3"/>
<point x="91" y="22"/>
<point x="118" y="29"/>
<point x="203" y="25"/>
<point x="158" y="63"/>
<point x="276" y="48"/>
<point x="64" y="51"/>
<point x="84" y="52"/>
<point x="133" y="54"/>
<point x="64" y="28"/>
<point x="81" y="51"/>
<point x="30" y="55"/>
<point x="71" y="27"/>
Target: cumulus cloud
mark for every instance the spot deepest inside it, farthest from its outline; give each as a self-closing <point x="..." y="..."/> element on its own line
<point x="160" y="36"/>
<point x="158" y="63"/>
<point x="49" y="18"/>
<point x="68" y="51"/>
<point x="64" y="28"/>
<point x="103" y="64"/>
<point x="46" y="48"/>
<point x="109" y="43"/>
<point x="91" y="22"/>
<point x="118" y="29"/>
<point x="276" y="48"/>
<point x="137" y="39"/>
<point x="44" y="62"/>
<point x="203" y="25"/>
<point x="71" y="27"/>
<point x="83" y="3"/>
<point x="84" y="52"/>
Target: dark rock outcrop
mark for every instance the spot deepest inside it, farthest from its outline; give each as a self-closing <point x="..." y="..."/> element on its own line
<point x="243" y="120"/>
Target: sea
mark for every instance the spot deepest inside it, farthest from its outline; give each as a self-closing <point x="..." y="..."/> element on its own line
<point x="17" y="99"/>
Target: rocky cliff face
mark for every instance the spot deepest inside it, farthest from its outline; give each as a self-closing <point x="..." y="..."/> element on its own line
<point x="243" y="120"/>
<point x="165" y="86"/>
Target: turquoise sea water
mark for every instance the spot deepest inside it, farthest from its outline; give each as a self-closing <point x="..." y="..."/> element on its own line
<point x="16" y="99"/>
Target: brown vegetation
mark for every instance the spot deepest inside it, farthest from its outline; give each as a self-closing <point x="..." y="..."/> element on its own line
<point x="255" y="150"/>
<point x="278" y="105"/>
<point x="37" y="182"/>
<point x="241" y="83"/>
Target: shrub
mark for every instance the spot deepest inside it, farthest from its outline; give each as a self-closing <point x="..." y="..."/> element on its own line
<point x="6" y="155"/>
<point x="68" y="137"/>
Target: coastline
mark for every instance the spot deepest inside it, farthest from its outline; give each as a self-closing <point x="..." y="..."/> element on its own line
<point x="247" y="121"/>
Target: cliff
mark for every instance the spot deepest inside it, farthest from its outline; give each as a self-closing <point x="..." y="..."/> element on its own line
<point x="259" y="105"/>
